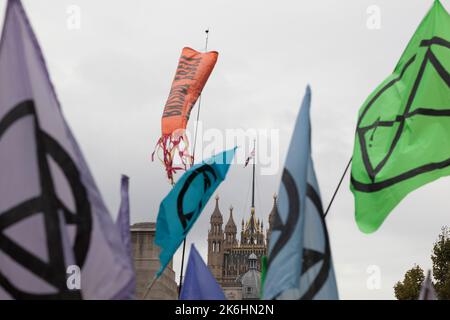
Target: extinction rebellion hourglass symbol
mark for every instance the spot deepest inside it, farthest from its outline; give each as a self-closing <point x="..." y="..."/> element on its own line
<point x="397" y="126"/>
<point x="311" y="257"/>
<point x="205" y="171"/>
<point x="52" y="208"/>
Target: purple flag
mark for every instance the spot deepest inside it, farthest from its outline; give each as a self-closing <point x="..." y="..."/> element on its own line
<point x="123" y="218"/>
<point x="199" y="283"/>
<point x="427" y="291"/>
<point x="57" y="239"/>
<point x="123" y="223"/>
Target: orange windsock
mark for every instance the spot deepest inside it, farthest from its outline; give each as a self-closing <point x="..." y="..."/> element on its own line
<point x="192" y="73"/>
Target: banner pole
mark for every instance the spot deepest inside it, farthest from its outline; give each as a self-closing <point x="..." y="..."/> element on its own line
<point x="182" y="267"/>
<point x="337" y="188"/>
<point x="193" y="159"/>
<point x="199" y="105"/>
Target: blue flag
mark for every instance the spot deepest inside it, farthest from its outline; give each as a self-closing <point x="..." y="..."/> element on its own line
<point x="299" y="262"/>
<point x="182" y="206"/>
<point x="199" y="283"/>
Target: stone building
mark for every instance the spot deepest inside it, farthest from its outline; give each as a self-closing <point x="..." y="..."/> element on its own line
<point x="236" y="263"/>
<point x="251" y="280"/>
<point x="146" y="264"/>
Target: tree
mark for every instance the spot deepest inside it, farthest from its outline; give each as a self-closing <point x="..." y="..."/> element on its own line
<point x="441" y="264"/>
<point x="409" y="288"/>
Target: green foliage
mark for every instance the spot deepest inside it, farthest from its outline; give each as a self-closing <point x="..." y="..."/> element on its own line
<point x="441" y="264"/>
<point x="409" y="288"/>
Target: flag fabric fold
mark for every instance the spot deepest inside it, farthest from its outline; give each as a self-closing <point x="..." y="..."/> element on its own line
<point x="123" y="218"/>
<point x="427" y="291"/>
<point x="263" y="274"/>
<point x="123" y="223"/>
<point x="57" y="239"/>
<point x="403" y="125"/>
<point x="199" y="283"/>
<point x="182" y="206"/>
<point x="299" y="264"/>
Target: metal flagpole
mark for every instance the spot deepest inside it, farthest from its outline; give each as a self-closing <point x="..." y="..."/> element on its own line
<point x="199" y="105"/>
<point x="253" y="176"/>
<point x="337" y="188"/>
<point x="149" y="287"/>
<point x="193" y="159"/>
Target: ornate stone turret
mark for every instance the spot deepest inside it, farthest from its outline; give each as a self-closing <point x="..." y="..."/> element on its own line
<point x="251" y="280"/>
<point x="216" y="217"/>
<point x="272" y="215"/>
<point x="230" y="231"/>
<point x="252" y="233"/>
<point x="215" y="242"/>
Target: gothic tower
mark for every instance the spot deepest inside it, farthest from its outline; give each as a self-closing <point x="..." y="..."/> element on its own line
<point x="272" y="215"/>
<point x="215" y="243"/>
<point x="230" y="232"/>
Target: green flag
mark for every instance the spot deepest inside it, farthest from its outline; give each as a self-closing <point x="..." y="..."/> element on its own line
<point x="403" y="131"/>
<point x="263" y="274"/>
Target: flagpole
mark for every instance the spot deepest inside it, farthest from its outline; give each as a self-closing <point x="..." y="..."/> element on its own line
<point x="337" y="188"/>
<point x="253" y="177"/>
<point x="199" y="105"/>
<point x="193" y="159"/>
<point x="182" y="267"/>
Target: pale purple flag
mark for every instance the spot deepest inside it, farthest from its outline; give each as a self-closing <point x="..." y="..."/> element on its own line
<point x="53" y="221"/>
<point x="427" y="291"/>
<point x="123" y="223"/>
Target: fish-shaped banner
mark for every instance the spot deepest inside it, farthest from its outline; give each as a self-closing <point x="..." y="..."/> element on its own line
<point x="194" y="69"/>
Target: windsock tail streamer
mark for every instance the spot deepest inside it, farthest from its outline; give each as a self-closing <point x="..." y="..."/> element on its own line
<point x="167" y="147"/>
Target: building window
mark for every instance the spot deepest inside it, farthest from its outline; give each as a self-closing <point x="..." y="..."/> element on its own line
<point x="249" y="289"/>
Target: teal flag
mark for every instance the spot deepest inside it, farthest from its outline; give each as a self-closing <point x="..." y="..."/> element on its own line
<point x="182" y="206"/>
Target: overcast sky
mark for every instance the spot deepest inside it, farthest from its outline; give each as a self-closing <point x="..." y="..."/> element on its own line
<point x="113" y="76"/>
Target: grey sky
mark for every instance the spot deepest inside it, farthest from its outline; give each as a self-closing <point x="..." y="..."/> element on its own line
<point x="113" y="76"/>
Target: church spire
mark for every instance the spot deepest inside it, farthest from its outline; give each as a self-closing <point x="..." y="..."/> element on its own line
<point x="216" y="215"/>
<point x="230" y="231"/>
<point x="215" y="242"/>
<point x="230" y="226"/>
<point x="272" y="217"/>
